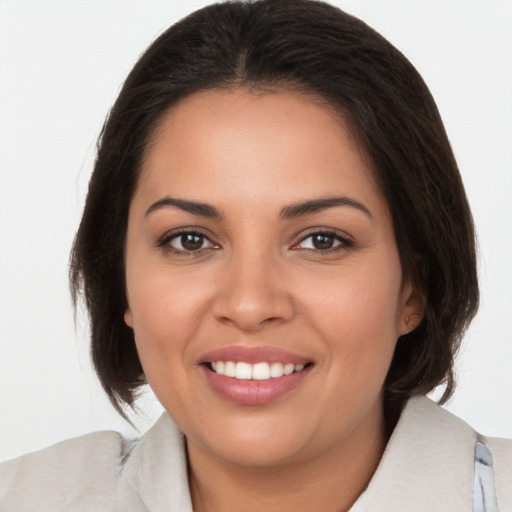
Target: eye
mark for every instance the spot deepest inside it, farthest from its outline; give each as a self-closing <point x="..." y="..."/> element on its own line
<point x="186" y="242"/>
<point x="324" y="241"/>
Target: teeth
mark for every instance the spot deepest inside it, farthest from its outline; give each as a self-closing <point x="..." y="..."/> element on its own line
<point x="243" y="371"/>
<point x="230" y="369"/>
<point x="261" y="371"/>
<point x="288" y="368"/>
<point x="258" y="371"/>
<point x="276" y="370"/>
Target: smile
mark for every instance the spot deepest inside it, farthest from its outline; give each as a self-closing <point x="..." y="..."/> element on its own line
<point x="254" y="375"/>
<point x="259" y="371"/>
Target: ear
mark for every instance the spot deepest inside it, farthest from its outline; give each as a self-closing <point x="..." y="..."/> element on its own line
<point x="128" y="317"/>
<point x="412" y="309"/>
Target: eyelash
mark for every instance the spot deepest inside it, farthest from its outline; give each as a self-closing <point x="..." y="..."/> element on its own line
<point x="344" y="241"/>
<point x="165" y="242"/>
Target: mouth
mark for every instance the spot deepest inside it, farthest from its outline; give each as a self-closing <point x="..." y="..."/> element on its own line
<point x="260" y="371"/>
<point x="254" y="375"/>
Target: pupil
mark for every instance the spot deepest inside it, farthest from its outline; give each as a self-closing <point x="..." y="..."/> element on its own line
<point x="192" y="242"/>
<point x="323" y="241"/>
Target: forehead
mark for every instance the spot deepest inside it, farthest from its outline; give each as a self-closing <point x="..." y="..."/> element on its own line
<point x="279" y="146"/>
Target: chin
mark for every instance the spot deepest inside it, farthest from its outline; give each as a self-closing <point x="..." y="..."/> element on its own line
<point x="253" y="442"/>
<point x="259" y="453"/>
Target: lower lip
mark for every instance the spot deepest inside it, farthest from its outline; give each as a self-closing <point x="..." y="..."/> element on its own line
<point x="254" y="392"/>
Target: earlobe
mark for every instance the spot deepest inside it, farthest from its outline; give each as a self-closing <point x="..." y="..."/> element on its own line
<point x="128" y="318"/>
<point x="411" y="321"/>
<point x="412" y="310"/>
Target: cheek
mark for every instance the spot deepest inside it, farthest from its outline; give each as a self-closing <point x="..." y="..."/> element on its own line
<point x="171" y="311"/>
<point x="158" y="324"/>
<point x="357" y="316"/>
<point x="162" y="311"/>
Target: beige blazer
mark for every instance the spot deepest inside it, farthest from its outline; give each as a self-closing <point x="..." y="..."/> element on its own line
<point x="428" y="466"/>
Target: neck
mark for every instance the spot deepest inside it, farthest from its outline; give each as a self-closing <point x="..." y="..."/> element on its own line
<point x="330" y="481"/>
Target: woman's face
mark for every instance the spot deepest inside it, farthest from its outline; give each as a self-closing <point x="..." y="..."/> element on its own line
<point x="259" y="244"/>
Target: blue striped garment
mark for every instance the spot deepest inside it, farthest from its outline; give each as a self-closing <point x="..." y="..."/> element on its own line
<point x="484" y="490"/>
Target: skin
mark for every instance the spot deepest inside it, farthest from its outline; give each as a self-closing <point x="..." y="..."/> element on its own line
<point x="258" y="280"/>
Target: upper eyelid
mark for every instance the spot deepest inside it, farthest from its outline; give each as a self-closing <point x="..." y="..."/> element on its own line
<point x="345" y="241"/>
<point x="173" y="233"/>
<point x="165" y="243"/>
<point x="299" y="237"/>
<point x="325" y="231"/>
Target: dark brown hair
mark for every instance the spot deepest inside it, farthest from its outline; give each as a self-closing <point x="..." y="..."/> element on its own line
<point x="313" y="47"/>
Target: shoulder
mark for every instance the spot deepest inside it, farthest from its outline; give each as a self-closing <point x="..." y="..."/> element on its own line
<point x="83" y="468"/>
<point x="459" y="446"/>
<point x="101" y="472"/>
<point x="429" y="450"/>
<point x="501" y="452"/>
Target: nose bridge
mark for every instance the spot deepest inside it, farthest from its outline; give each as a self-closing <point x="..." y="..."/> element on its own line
<point x="253" y="292"/>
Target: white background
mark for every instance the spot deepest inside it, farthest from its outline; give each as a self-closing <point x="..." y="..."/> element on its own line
<point x="61" y="66"/>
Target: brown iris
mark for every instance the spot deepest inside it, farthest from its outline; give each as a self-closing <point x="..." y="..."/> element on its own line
<point x="191" y="241"/>
<point x="322" y="241"/>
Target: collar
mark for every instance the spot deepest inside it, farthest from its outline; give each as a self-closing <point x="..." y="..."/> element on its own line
<point x="154" y="476"/>
<point x="427" y="465"/>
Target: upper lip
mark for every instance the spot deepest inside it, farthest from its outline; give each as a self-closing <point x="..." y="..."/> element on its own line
<point x="253" y="355"/>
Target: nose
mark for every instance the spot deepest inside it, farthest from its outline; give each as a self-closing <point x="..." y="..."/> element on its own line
<point x="254" y="293"/>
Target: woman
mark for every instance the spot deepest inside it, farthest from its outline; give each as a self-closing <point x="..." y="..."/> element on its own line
<point x="277" y="239"/>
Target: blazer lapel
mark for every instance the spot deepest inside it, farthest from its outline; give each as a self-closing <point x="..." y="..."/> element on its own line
<point x="428" y="464"/>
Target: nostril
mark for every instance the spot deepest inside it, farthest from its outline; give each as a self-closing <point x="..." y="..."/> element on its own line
<point x="249" y="306"/>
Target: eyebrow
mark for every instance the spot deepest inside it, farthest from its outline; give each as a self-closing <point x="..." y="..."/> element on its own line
<point x="287" y="213"/>
<point x="201" y="209"/>
<point x="316" y="205"/>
